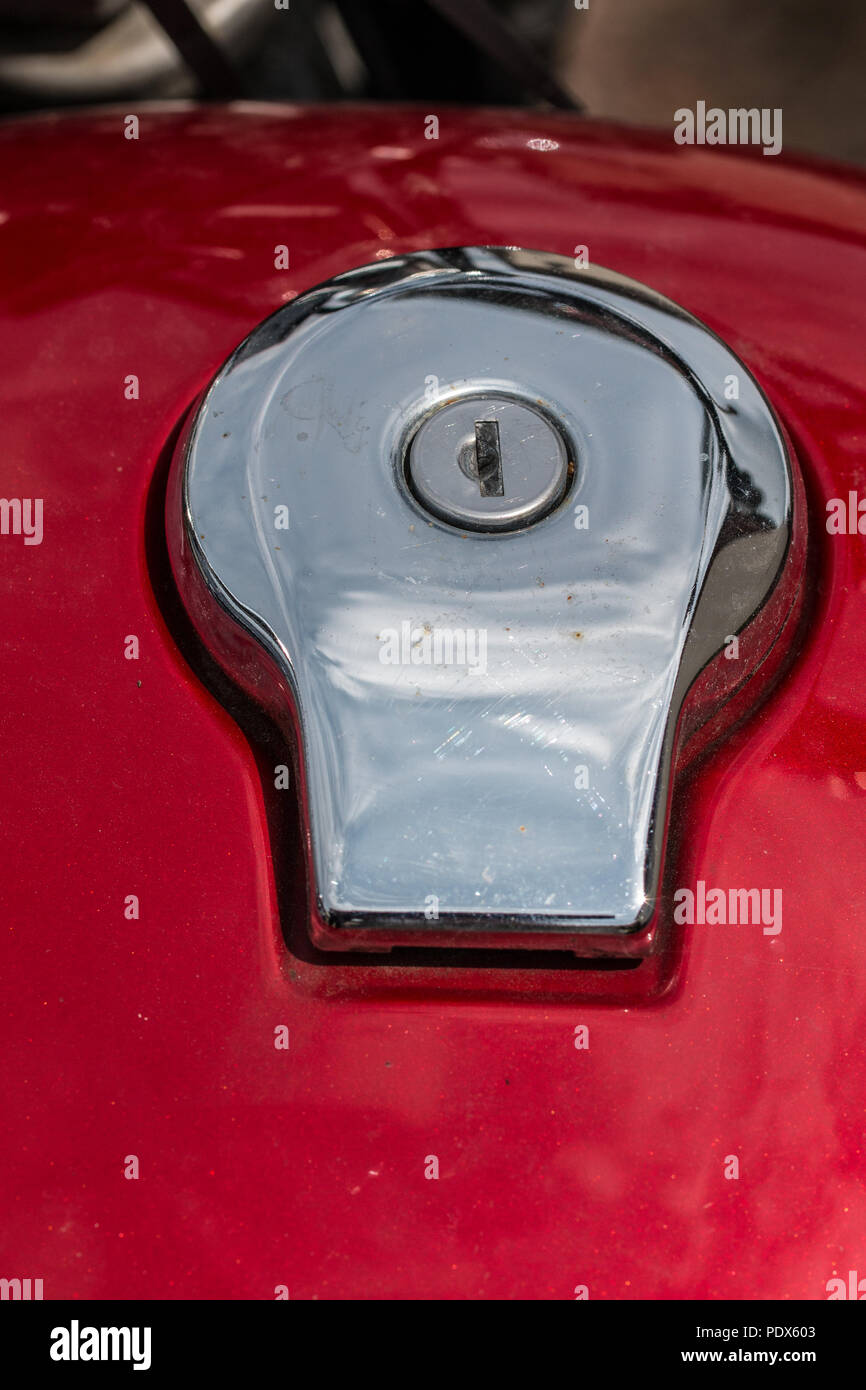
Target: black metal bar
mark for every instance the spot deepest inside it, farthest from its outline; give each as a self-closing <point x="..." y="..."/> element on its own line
<point x="478" y="20"/>
<point x="216" y="74"/>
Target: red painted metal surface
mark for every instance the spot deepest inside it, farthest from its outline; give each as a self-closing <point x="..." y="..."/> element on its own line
<point x="155" y="1037"/>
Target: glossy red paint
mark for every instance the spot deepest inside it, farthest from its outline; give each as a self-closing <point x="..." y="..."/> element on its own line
<point x="155" y="1037"/>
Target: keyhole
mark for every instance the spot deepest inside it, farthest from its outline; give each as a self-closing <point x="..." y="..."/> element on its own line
<point x="484" y="461"/>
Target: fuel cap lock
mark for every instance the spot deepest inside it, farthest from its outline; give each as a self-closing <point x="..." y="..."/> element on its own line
<point x="499" y="544"/>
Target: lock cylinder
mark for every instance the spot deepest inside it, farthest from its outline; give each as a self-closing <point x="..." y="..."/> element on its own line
<point x="487" y="462"/>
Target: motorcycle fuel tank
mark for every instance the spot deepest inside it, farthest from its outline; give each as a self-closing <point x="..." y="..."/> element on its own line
<point x="402" y="976"/>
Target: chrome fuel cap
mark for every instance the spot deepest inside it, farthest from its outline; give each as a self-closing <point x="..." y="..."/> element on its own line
<point x="493" y="540"/>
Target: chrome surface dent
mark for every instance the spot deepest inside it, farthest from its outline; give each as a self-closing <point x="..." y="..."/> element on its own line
<point x="522" y="787"/>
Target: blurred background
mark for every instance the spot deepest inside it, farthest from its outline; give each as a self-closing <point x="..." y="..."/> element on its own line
<point x="628" y="60"/>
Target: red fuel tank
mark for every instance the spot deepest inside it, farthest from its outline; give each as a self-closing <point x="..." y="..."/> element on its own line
<point x="200" y="1103"/>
